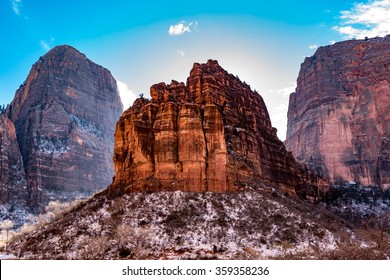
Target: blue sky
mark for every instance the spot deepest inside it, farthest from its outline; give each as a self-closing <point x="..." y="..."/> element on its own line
<point x="145" y="42"/>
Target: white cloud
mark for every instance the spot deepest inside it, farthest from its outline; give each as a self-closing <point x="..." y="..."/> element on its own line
<point x="180" y="52"/>
<point x="313" y="46"/>
<point x="366" y="20"/>
<point x="278" y="114"/>
<point x="16" y="4"/>
<point x="278" y="117"/>
<point x="127" y="96"/>
<point x="332" y="42"/>
<point x="181" y="28"/>
<point x="46" y="45"/>
<point x="285" y="91"/>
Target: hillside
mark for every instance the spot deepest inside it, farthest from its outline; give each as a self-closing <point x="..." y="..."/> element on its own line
<point x="200" y="174"/>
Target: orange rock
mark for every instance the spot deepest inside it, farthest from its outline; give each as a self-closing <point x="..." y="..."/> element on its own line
<point x="212" y="134"/>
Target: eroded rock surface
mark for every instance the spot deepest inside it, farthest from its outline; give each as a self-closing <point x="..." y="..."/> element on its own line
<point x="65" y="115"/>
<point x="12" y="177"/>
<point x="211" y="134"/>
<point x="339" y="116"/>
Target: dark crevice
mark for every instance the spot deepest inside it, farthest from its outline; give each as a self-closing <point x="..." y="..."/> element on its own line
<point x="201" y="111"/>
<point x="177" y="132"/>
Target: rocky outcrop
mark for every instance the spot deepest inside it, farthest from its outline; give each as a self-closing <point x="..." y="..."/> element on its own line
<point x="12" y="176"/>
<point x="212" y="134"/>
<point x="339" y="116"/>
<point x="64" y="115"/>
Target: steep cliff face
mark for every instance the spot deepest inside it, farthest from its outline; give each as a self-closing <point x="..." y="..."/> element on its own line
<point x="65" y="115"/>
<point x="12" y="176"/>
<point x="212" y="134"/>
<point x="338" y="118"/>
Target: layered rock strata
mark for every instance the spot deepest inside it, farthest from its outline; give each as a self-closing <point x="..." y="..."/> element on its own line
<point x="12" y="177"/>
<point x="339" y="115"/>
<point x="64" y="115"/>
<point x="212" y="134"/>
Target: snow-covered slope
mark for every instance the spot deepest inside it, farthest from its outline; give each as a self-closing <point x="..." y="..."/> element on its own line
<point x="181" y="225"/>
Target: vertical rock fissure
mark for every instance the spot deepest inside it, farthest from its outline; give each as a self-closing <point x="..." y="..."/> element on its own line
<point x="153" y="138"/>
<point x="178" y="161"/>
<point x="152" y="141"/>
<point x="207" y="150"/>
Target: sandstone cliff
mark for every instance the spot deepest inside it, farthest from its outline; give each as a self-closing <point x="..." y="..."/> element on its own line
<point x="12" y="176"/>
<point x="339" y="116"/>
<point x="64" y="115"/>
<point x="212" y="134"/>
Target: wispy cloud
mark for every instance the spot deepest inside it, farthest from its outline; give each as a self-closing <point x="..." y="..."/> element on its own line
<point x="366" y="20"/>
<point x="46" y="45"/>
<point x="278" y="114"/>
<point x="16" y="4"/>
<point x="127" y="95"/>
<point x="278" y="117"/>
<point x="313" y="46"/>
<point x="285" y="91"/>
<point x="181" y="28"/>
<point x="180" y="52"/>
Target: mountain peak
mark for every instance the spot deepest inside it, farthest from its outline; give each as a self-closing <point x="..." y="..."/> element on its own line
<point x="211" y="134"/>
<point x="60" y="49"/>
<point x="61" y="54"/>
<point x="211" y="66"/>
<point x="65" y="114"/>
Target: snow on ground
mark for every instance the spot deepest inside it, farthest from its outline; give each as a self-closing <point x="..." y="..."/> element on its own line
<point x="5" y="256"/>
<point x="16" y="212"/>
<point x="180" y="225"/>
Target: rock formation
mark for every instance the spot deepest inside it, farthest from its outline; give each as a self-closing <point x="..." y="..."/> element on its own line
<point x="64" y="115"/>
<point x="212" y="134"/>
<point x="339" y="116"/>
<point x="12" y="176"/>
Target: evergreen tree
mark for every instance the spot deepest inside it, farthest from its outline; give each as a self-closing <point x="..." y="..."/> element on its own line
<point x="3" y="108"/>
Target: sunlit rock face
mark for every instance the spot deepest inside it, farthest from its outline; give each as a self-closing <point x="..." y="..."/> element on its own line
<point x="211" y="134"/>
<point x="338" y="118"/>
<point x="64" y="115"/>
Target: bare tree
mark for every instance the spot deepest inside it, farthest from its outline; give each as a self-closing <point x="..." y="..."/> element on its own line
<point x="6" y="225"/>
<point x="378" y="229"/>
<point x="3" y="108"/>
<point x="94" y="248"/>
<point x="133" y="237"/>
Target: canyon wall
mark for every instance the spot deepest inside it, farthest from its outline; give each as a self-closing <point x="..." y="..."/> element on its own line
<point x="12" y="176"/>
<point x="64" y="116"/>
<point x="339" y="115"/>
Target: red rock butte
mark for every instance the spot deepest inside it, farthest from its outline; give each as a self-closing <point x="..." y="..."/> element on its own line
<point x="339" y="116"/>
<point x="211" y="134"/>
